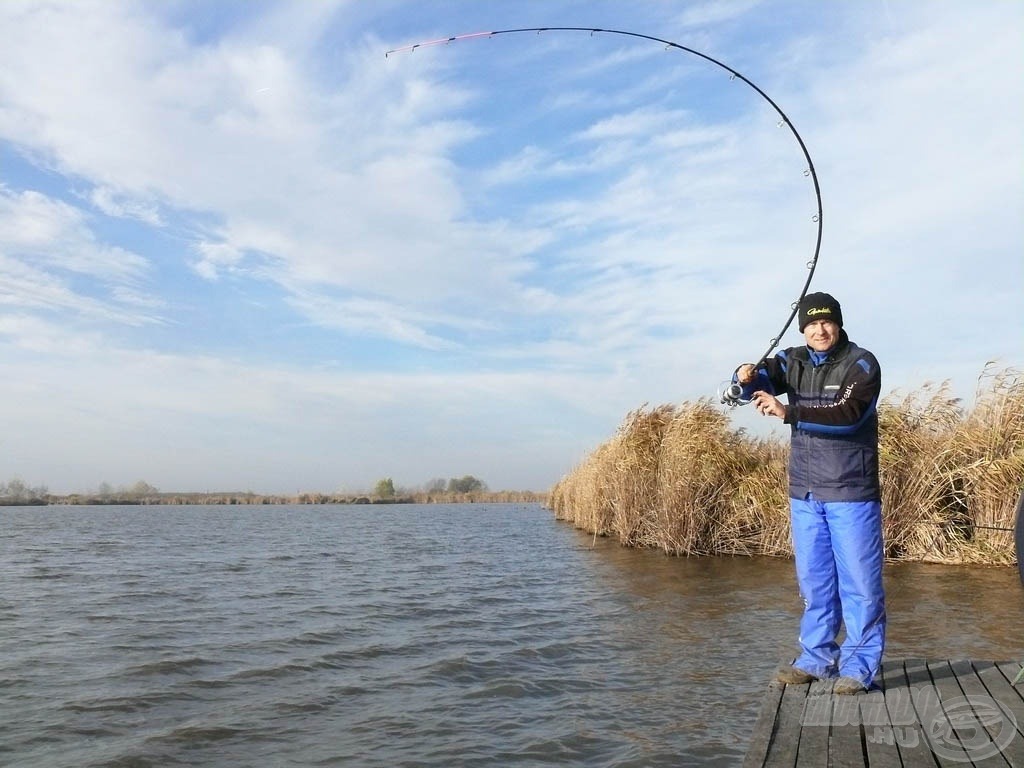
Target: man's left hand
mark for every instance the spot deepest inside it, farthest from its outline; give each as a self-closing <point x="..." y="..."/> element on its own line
<point x="769" y="405"/>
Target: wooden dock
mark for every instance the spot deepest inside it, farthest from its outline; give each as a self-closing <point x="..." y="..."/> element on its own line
<point x="918" y="713"/>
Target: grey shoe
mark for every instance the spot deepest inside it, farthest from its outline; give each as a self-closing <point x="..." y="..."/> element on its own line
<point x="791" y="675"/>
<point x="846" y="686"/>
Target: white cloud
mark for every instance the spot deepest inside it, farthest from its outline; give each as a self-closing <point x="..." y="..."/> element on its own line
<point x="708" y="13"/>
<point x="110" y="203"/>
<point x="41" y="229"/>
<point x="47" y="248"/>
<point x="642" y="123"/>
<point x="216" y="257"/>
<point x="372" y="318"/>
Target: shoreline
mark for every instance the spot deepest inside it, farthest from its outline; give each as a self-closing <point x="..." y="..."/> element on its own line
<point x="257" y="499"/>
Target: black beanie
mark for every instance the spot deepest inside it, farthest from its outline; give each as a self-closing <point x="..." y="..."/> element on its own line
<point x="819" y="306"/>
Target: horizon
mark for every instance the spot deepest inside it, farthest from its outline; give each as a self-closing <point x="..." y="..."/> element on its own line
<point x="241" y="247"/>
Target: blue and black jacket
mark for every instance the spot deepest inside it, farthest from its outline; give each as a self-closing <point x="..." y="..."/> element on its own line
<point x="832" y="402"/>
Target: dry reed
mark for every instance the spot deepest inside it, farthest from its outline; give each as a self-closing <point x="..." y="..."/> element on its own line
<point x="678" y="478"/>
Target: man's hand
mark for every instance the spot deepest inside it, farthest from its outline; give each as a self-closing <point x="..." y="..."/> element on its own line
<point x="768" y="405"/>
<point x="745" y="373"/>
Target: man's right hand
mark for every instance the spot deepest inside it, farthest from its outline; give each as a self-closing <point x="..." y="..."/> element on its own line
<point x="745" y="373"/>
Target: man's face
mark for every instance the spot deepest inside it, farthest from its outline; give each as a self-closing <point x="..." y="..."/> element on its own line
<point x="821" y="335"/>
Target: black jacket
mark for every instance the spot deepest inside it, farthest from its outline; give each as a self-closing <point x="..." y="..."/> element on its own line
<point x="834" y="421"/>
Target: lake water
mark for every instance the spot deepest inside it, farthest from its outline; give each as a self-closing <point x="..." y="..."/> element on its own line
<point x="463" y="635"/>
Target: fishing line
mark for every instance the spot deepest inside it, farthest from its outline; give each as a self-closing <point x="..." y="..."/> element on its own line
<point x="730" y="396"/>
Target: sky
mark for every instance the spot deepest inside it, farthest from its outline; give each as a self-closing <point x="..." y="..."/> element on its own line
<point x="242" y="249"/>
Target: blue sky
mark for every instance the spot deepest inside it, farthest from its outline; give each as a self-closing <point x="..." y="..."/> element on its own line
<point x="240" y="249"/>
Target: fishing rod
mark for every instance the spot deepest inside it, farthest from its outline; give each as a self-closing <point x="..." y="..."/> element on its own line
<point x="733" y="394"/>
<point x="1018" y="542"/>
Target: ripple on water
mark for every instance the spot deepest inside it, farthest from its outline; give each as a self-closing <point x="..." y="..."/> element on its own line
<point x="183" y="665"/>
<point x="136" y="702"/>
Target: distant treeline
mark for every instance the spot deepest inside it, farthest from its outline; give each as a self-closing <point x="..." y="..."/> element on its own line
<point x="466" y="489"/>
<point x="493" y="497"/>
<point x="18" y="493"/>
<point x="680" y="479"/>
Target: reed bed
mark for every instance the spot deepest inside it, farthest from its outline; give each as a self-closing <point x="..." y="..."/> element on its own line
<point x="679" y="478"/>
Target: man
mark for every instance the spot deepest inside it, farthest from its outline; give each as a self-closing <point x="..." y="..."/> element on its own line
<point x="832" y="388"/>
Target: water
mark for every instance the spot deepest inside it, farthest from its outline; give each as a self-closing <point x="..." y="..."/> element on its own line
<point x="466" y="635"/>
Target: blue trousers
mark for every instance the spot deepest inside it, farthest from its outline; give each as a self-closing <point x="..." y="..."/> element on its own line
<point x="839" y="556"/>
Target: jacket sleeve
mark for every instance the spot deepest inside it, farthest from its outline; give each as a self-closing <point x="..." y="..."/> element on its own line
<point x="770" y="376"/>
<point x="854" y="404"/>
<point x="775" y="369"/>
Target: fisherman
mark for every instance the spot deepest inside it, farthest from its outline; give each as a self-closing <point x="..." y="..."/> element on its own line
<point x="832" y="388"/>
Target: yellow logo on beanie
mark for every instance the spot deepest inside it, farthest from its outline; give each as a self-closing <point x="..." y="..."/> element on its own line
<point x="819" y="311"/>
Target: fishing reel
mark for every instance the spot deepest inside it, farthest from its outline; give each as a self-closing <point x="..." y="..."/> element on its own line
<point x="731" y="393"/>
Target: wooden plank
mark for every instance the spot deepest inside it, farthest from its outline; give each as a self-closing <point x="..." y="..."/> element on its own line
<point x="996" y="683"/>
<point x="786" y="739"/>
<point x="936" y="724"/>
<point x="929" y="713"/>
<point x="944" y="736"/>
<point x="764" y="727"/>
<point x="1002" y="728"/>
<point x="815" y="723"/>
<point x="1015" y="693"/>
<point x="966" y="728"/>
<point x="906" y="734"/>
<point x="875" y="715"/>
<point x="845" y="749"/>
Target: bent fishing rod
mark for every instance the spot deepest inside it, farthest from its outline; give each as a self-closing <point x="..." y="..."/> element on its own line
<point x="734" y="394"/>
